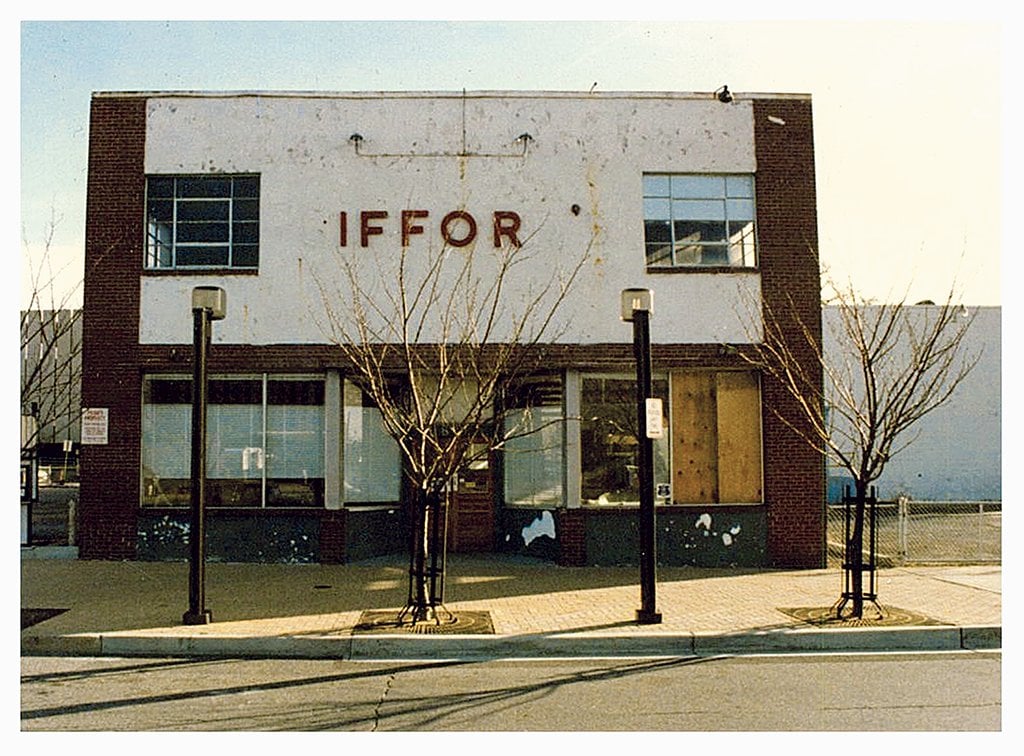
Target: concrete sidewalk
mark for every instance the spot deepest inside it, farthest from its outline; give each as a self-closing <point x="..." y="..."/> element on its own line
<point x="537" y="609"/>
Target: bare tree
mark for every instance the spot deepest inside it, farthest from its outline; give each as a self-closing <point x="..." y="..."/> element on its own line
<point x="885" y="367"/>
<point x="51" y="349"/>
<point x="436" y="338"/>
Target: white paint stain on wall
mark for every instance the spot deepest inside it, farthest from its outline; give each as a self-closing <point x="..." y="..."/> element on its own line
<point x="704" y="523"/>
<point x="727" y="538"/>
<point x="543" y="525"/>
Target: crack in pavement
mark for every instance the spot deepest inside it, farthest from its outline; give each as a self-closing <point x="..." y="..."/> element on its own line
<point x="380" y="701"/>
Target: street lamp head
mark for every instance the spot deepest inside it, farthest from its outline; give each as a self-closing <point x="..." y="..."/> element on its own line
<point x="212" y="298"/>
<point x="636" y="300"/>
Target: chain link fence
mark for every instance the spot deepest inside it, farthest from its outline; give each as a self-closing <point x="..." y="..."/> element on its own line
<point x="922" y="532"/>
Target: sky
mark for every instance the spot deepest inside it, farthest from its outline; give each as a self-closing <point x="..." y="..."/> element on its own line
<point x="908" y="112"/>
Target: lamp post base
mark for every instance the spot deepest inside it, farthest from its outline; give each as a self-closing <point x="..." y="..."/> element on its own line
<point x="645" y="617"/>
<point x="203" y="617"/>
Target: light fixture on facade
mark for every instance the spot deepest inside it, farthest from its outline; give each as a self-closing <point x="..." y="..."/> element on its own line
<point x="723" y="94"/>
<point x="635" y="300"/>
<point x="210" y="298"/>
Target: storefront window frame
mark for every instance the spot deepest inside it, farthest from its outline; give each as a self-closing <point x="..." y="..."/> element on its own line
<point x="662" y="447"/>
<point x="265" y="477"/>
<point x="559" y="425"/>
<point x="347" y="384"/>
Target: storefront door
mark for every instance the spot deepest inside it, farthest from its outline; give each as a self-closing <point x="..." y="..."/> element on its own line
<point x="471" y="512"/>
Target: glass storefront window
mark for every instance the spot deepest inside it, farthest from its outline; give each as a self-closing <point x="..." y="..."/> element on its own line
<point x="264" y="444"/>
<point x="372" y="459"/>
<point x="235" y="455"/>
<point x="295" y="443"/>
<point x="608" y="433"/>
<point x="534" y="451"/>
<point x="166" y="441"/>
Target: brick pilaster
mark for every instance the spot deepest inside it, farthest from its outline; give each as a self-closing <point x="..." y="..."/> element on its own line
<point x="114" y="234"/>
<point x="570" y="527"/>
<point x="790" y="284"/>
<point x="332" y="537"/>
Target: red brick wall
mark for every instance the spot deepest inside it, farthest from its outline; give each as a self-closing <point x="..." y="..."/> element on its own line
<point x="790" y="282"/>
<point x="332" y="537"/>
<point x="110" y="326"/>
<point x="570" y="528"/>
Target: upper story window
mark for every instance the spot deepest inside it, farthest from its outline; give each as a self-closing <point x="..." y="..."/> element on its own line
<point x="195" y="222"/>
<point x="693" y="220"/>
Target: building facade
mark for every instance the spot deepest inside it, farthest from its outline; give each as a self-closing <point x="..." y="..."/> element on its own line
<point x="954" y="453"/>
<point x="707" y="201"/>
<point x="51" y="345"/>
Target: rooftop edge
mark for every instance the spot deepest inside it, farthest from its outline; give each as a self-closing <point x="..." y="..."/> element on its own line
<point x="447" y="94"/>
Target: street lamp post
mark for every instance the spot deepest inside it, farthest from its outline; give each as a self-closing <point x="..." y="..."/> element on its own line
<point x="209" y="303"/>
<point x="637" y="306"/>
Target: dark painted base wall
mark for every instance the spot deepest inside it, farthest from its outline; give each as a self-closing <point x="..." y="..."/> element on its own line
<point x="700" y="537"/>
<point x="376" y="532"/>
<point x="289" y="537"/>
<point x="708" y="537"/>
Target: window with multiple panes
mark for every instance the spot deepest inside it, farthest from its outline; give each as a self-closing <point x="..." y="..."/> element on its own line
<point x="264" y="441"/>
<point x="202" y="222"/>
<point x="699" y="220"/>
<point x="710" y="453"/>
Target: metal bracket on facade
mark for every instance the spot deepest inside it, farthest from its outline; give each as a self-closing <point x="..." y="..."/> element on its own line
<point x="523" y="140"/>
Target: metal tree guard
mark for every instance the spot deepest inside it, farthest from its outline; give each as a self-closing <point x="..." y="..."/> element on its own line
<point x="862" y="565"/>
<point x="427" y="557"/>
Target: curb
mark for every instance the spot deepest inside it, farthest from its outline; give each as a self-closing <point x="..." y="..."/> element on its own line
<point x="49" y="552"/>
<point x="478" y="648"/>
<point x="853" y="640"/>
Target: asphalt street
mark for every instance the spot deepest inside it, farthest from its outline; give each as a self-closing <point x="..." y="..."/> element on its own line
<point x="890" y="692"/>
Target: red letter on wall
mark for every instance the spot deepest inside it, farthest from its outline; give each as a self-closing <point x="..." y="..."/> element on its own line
<point x="343" y="229"/>
<point x="458" y="215"/>
<point x="408" y="227"/>
<point x="506" y="223"/>
<point x="365" y="229"/>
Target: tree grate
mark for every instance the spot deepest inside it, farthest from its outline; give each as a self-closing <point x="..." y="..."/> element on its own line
<point x="873" y="616"/>
<point x="455" y="623"/>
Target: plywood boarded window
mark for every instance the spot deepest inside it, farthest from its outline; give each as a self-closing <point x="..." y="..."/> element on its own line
<point x="716" y="437"/>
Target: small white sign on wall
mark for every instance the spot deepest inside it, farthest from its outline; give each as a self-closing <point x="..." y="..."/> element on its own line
<point x="654" y="424"/>
<point x="95" y="422"/>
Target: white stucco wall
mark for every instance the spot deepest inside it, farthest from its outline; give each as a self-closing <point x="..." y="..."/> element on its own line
<point x="588" y="151"/>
